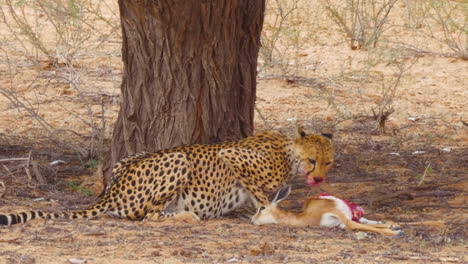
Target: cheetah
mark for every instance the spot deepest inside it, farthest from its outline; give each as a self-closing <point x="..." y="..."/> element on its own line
<point x="204" y="181"/>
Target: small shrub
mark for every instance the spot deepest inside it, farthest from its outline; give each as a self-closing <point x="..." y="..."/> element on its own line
<point x="361" y="21"/>
<point x="289" y="27"/>
<point x="74" y="185"/>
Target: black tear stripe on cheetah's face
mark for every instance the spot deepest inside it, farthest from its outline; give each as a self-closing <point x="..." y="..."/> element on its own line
<point x="206" y="180"/>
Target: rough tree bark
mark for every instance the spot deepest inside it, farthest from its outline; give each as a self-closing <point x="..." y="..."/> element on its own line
<point x="189" y="73"/>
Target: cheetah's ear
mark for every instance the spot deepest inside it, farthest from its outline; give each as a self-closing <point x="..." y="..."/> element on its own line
<point x="300" y="133"/>
<point x="328" y="135"/>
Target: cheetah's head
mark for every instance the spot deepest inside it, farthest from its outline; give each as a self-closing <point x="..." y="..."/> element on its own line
<point x="315" y="154"/>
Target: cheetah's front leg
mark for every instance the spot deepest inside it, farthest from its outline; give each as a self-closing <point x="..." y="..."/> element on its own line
<point x="238" y="160"/>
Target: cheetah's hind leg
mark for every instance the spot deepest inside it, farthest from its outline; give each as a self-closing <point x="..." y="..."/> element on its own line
<point x="152" y="213"/>
<point x="166" y="183"/>
<point x="185" y="216"/>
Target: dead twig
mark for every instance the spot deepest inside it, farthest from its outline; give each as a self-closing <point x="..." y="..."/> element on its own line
<point x="424" y="174"/>
<point x="26" y="167"/>
<point x="58" y="237"/>
<point x="2" y="189"/>
<point x="17" y="240"/>
<point x="28" y="173"/>
<point x="263" y="118"/>
<point x="401" y="257"/>
<point x="13" y="159"/>
<point x="45" y="125"/>
<point x="382" y="117"/>
<point x="39" y="178"/>
<point x="8" y="170"/>
<point x="29" y="163"/>
<point x="12" y="171"/>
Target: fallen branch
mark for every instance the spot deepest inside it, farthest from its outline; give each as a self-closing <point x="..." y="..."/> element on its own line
<point x="400" y="257"/>
<point x="40" y="179"/>
<point x="59" y="237"/>
<point x="28" y="166"/>
<point x="13" y="159"/>
<point x="28" y="173"/>
<point x="8" y="170"/>
<point x="11" y="171"/>
<point x="2" y="189"/>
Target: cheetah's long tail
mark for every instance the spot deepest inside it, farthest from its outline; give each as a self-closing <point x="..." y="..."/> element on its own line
<point x="96" y="210"/>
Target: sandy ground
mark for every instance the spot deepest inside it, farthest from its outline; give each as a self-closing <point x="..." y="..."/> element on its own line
<point x="380" y="169"/>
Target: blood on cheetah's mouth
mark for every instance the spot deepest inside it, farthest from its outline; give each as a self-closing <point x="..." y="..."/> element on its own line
<point x="313" y="181"/>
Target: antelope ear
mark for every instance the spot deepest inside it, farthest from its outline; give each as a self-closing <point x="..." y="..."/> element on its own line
<point x="300" y="133"/>
<point x="282" y="194"/>
<point x="328" y="135"/>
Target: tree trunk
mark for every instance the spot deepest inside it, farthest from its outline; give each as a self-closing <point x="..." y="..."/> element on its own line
<point x="189" y="73"/>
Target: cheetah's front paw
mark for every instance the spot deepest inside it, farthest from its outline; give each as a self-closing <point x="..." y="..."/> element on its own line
<point x="188" y="217"/>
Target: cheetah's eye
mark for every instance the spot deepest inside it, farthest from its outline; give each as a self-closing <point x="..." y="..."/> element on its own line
<point x="312" y="161"/>
<point x="328" y="163"/>
<point x="261" y="208"/>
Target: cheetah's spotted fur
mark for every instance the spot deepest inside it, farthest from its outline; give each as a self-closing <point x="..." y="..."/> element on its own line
<point x="205" y="181"/>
